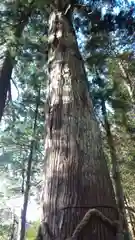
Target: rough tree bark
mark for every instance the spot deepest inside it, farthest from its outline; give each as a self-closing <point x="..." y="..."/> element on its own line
<point x="6" y="66"/>
<point x="76" y="174"/>
<point x="115" y="170"/>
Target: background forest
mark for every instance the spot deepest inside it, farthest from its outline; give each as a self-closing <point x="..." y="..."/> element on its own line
<point x="107" y="44"/>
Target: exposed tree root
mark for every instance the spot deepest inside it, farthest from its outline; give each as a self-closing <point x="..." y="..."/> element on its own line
<point x="115" y="225"/>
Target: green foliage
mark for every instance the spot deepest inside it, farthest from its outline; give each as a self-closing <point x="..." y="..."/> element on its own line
<point x="31" y="232"/>
<point x="17" y="127"/>
<point x="4" y="230"/>
<point x="110" y="67"/>
<point x="103" y="51"/>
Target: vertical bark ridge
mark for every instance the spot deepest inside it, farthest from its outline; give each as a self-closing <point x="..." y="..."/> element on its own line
<point x="76" y="175"/>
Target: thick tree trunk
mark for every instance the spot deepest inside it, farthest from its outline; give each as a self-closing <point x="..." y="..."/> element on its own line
<point x="76" y="174"/>
<point x="115" y="170"/>
<point x="28" y="174"/>
<point x="6" y="66"/>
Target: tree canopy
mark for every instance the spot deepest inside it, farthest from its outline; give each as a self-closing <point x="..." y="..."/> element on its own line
<point x="105" y="32"/>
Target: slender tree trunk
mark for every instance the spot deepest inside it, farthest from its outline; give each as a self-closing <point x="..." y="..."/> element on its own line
<point x="13" y="230"/>
<point x="131" y="217"/>
<point x="5" y="76"/>
<point x="115" y="170"/>
<point x="127" y="80"/>
<point x="76" y="174"/>
<point x="8" y="62"/>
<point x="28" y="174"/>
<point x="132" y="222"/>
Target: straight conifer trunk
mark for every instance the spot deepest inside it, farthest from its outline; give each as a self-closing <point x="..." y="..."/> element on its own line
<point x="115" y="171"/>
<point x="28" y="174"/>
<point x="76" y="174"/>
